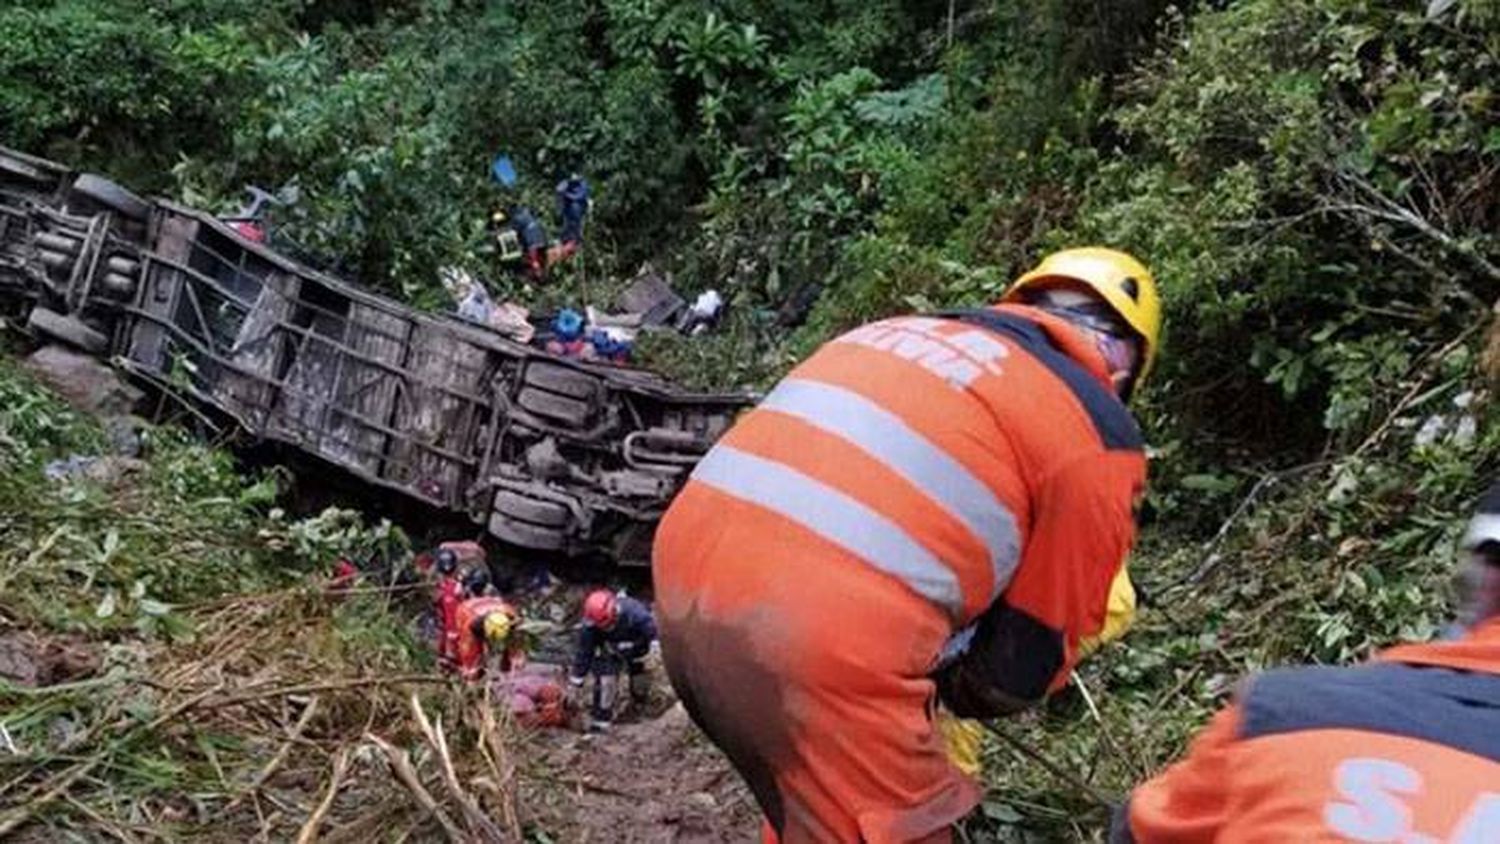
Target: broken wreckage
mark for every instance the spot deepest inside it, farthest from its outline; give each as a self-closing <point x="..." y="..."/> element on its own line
<point x="547" y="453"/>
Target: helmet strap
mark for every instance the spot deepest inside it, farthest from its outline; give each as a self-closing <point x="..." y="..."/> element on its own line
<point x="1122" y="358"/>
<point x="1120" y="348"/>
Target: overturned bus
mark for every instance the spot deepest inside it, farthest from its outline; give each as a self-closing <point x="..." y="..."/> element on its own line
<point x="548" y="453"/>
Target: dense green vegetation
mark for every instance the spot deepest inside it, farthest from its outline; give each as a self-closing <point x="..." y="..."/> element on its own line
<point x="1315" y="182"/>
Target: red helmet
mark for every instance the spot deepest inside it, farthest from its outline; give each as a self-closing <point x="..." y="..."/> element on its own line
<point x="600" y="609"/>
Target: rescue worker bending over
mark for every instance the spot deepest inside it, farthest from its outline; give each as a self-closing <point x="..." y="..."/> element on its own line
<point x="1404" y="749"/>
<point x="487" y="625"/>
<point x="617" y="633"/>
<point x="519" y="234"/>
<point x="959" y="485"/>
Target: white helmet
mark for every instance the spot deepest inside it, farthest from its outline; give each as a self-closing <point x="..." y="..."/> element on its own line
<point x="1484" y="528"/>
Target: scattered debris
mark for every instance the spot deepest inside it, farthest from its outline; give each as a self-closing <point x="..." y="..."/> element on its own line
<point x="704" y="314"/>
<point x="292" y="731"/>
<point x="473" y="303"/>
<point x="1458" y="427"/>
<point x="109" y="470"/>
<point x="652" y="297"/>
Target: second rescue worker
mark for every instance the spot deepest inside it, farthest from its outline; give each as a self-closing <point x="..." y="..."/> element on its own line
<point x="926" y="506"/>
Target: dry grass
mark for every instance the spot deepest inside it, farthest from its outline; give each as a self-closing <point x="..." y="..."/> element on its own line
<point x="273" y="723"/>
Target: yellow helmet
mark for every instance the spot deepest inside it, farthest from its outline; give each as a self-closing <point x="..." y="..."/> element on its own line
<point x="497" y="626"/>
<point x="1118" y="278"/>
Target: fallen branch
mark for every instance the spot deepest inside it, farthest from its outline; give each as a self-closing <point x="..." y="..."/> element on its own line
<point x="111" y="679"/>
<point x="309" y="832"/>
<point x="100" y="821"/>
<point x="1052" y="768"/>
<point x="61" y="754"/>
<point x="1434" y="359"/>
<point x="33" y="558"/>
<point x="279" y="759"/>
<point x="400" y="763"/>
<point x="496" y="756"/>
<point x="1187" y="678"/>
<point x="1388" y="209"/>
<point x="1211" y="555"/>
<point x="1104" y="730"/>
<point x="371" y="826"/>
<point x="597" y="788"/>
<point x="477" y="821"/>
<point x="331" y="686"/>
<point x="59" y="790"/>
<point x="580" y="785"/>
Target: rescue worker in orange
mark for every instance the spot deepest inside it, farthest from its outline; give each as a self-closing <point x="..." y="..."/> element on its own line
<point x="928" y="508"/>
<point x="1404" y="749"/>
<point x="446" y="597"/>
<point x="487" y="625"/>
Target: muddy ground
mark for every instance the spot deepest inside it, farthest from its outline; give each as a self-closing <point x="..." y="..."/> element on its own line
<point x="653" y="781"/>
<point x="654" y="777"/>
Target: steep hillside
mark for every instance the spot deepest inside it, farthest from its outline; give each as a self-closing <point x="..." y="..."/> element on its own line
<point x="1316" y="184"/>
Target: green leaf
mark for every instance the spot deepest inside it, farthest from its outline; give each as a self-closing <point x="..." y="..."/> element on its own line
<point x="1492" y="140"/>
<point x="106" y="607"/>
<point x="141" y="707"/>
<point x="152" y="607"/>
<point x="1000" y="812"/>
<point x="1210" y="483"/>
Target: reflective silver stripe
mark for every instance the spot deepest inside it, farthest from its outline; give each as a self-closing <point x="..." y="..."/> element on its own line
<point x="834" y="516"/>
<point x="886" y="438"/>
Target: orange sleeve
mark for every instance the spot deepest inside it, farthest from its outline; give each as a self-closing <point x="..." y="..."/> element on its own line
<point x="1025" y="645"/>
<point x="1187" y="803"/>
<point x="1083" y="528"/>
<point x="470" y="652"/>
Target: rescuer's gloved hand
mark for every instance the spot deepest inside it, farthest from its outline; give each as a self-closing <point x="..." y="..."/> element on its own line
<point x="1004" y="663"/>
<point x="965" y="688"/>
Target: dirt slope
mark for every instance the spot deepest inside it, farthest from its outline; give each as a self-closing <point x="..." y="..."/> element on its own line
<point x="654" y="781"/>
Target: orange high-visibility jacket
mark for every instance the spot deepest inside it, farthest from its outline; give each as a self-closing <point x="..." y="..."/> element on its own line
<point x="470" y="646"/>
<point x="1405" y="749"/>
<point x="447" y="600"/>
<point x="980" y="459"/>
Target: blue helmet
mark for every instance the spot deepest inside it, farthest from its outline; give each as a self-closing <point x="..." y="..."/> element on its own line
<point x="567" y="325"/>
